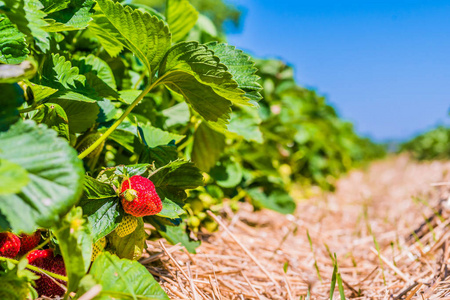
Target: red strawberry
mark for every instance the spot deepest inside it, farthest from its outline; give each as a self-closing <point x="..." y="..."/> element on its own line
<point x="44" y="259"/>
<point x="29" y="242"/>
<point x="139" y="197"/>
<point x="9" y="244"/>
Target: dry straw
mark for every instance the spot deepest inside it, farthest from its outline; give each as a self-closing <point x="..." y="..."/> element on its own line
<point x="392" y="203"/>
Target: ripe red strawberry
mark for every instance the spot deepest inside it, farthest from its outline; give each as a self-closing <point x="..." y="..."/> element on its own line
<point x="139" y="197"/>
<point x="29" y="242"/>
<point x="44" y="259"/>
<point x="9" y="244"/>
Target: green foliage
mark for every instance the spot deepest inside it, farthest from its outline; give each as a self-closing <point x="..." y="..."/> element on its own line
<point x="434" y="144"/>
<point x="129" y="246"/>
<point x="54" y="117"/>
<point x="197" y="60"/>
<point x="181" y="17"/>
<point x="12" y="178"/>
<point x="241" y="66"/>
<point x="55" y="176"/>
<point x="11" y="100"/>
<point x="28" y="16"/>
<point x="75" y="243"/>
<point x="218" y="11"/>
<point x="151" y="91"/>
<point x="102" y="206"/>
<point x="67" y="14"/>
<point x="120" y="27"/>
<point x="207" y="148"/>
<point x="15" y="282"/>
<point x="13" y="48"/>
<point x="278" y="200"/>
<point x="122" y="279"/>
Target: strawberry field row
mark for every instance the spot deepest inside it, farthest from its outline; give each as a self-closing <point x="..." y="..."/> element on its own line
<point x="115" y="115"/>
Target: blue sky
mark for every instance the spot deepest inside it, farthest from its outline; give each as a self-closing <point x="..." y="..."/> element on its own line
<point x="385" y="65"/>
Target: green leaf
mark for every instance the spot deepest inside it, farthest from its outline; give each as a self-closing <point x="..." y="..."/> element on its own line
<point x="13" y="47"/>
<point x="207" y="148"/>
<point x="173" y="179"/>
<point x="59" y="73"/>
<point x="278" y="200"/>
<point x="75" y="243"/>
<point x="153" y="136"/>
<point x="333" y="280"/>
<point x="73" y="86"/>
<point x="241" y="66"/>
<point x="11" y="98"/>
<point x="201" y="97"/>
<point x="94" y="189"/>
<point x="200" y="62"/>
<point x="228" y="173"/>
<point x="340" y="286"/>
<point x="54" y="117"/>
<point x="181" y="16"/>
<point x="171" y="210"/>
<point x="245" y="123"/>
<point x="102" y="207"/>
<point x="12" y="177"/>
<point x="175" y="235"/>
<point x="28" y="16"/>
<point x="160" y="156"/>
<point x="128" y="96"/>
<point x="68" y="15"/>
<point x="54" y="5"/>
<point x="93" y="64"/>
<point x="40" y="92"/>
<point x="55" y="172"/>
<point x="81" y="114"/>
<point x="119" y="27"/>
<point x="177" y="115"/>
<point x="124" y="279"/>
<point x="120" y="171"/>
<point x="125" y="135"/>
<point x="131" y="245"/>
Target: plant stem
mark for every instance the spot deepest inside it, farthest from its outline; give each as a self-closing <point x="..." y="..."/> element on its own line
<point x="118" y="122"/>
<point x="36" y="269"/>
<point x="122" y="117"/>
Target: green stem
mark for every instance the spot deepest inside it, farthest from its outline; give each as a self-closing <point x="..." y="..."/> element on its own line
<point x="36" y="269"/>
<point x="119" y="121"/>
<point x="140" y="79"/>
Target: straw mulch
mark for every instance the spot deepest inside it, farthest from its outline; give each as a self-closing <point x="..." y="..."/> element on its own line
<point x="400" y="205"/>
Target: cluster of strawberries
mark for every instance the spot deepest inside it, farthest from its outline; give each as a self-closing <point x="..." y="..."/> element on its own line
<point x="138" y="197"/>
<point x="12" y="245"/>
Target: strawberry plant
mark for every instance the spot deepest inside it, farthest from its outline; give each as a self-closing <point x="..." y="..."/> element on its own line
<point x="430" y="145"/>
<point x="117" y="114"/>
<point x="87" y="150"/>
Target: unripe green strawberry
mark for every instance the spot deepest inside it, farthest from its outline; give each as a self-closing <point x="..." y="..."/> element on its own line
<point x="45" y="259"/>
<point x="9" y="244"/>
<point x="127" y="226"/>
<point x="139" y="197"/>
<point x="87" y="140"/>
<point x="98" y="248"/>
<point x="29" y="242"/>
